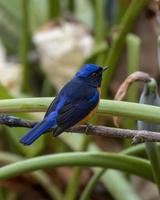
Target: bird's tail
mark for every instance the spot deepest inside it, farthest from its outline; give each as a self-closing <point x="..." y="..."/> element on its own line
<point x="35" y="132"/>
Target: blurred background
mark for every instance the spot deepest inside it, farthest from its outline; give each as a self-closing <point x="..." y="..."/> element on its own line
<point x="42" y="45"/>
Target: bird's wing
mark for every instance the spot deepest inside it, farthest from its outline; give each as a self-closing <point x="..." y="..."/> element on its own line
<point x="70" y="87"/>
<point x="74" y="111"/>
<point x="52" y="106"/>
<point x="74" y="90"/>
<point x="73" y="103"/>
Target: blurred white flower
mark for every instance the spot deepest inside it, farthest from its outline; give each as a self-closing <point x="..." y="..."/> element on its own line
<point x="10" y="73"/>
<point x="63" y="47"/>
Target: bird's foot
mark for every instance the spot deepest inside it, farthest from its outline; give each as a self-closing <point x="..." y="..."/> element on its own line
<point x="89" y="126"/>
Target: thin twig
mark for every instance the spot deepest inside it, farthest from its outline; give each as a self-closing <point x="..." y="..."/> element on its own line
<point x="135" y="135"/>
<point x="16" y="122"/>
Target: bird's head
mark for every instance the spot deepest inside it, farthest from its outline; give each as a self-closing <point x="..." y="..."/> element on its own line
<point x="92" y="74"/>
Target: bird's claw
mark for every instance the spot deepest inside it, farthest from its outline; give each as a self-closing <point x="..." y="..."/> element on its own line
<point x="89" y="126"/>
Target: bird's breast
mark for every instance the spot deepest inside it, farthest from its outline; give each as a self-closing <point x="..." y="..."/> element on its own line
<point x="92" y="113"/>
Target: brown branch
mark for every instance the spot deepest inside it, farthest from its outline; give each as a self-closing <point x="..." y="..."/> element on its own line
<point x="135" y="135"/>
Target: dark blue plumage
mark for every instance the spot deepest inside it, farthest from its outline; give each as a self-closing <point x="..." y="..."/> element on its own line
<point x="77" y="99"/>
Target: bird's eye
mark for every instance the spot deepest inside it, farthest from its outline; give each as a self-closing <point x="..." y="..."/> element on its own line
<point x="94" y="74"/>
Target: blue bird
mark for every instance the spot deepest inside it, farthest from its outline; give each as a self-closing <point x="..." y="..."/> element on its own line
<point x="74" y="105"/>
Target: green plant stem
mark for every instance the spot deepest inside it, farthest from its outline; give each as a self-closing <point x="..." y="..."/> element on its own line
<point x="150" y="96"/>
<point x="12" y="135"/>
<point x="72" y="188"/>
<point x="108" y="179"/>
<point x="136" y="150"/>
<point x="71" y="191"/>
<point x="133" y="58"/>
<point x="118" y="43"/>
<point x="154" y="157"/>
<point x="97" y="174"/>
<point x="99" y="20"/>
<point x="53" y="9"/>
<point x="25" y="45"/>
<point x="117" y="183"/>
<point x="127" y="109"/>
<point x="151" y="147"/>
<point x="71" y="5"/>
<point x="114" y="187"/>
<point x="99" y="28"/>
<point x="42" y="178"/>
<point x="114" y="108"/>
<point x="106" y="160"/>
<point x="91" y="184"/>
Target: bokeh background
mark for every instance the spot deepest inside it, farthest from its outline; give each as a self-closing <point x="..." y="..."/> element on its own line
<point x="42" y="45"/>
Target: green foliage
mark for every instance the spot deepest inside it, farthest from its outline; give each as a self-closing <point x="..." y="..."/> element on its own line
<point x="13" y="135"/>
<point x="53" y="9"/>
<point x="126" y="24"/>
<point x="19" y="20"/>
<point x="128" y="164"/>
<point x="150" y="96"/>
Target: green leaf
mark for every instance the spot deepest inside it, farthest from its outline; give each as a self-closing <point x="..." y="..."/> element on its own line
<point x="150" y="96"/>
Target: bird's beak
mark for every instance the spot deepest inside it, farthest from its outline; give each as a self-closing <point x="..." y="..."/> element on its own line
<point x="105" y="68"/>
